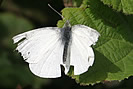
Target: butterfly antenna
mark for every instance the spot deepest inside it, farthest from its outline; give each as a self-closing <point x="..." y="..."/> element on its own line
<point x="55" y="11"/>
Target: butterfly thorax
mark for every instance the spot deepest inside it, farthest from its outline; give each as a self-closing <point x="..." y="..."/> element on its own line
<point x="66" y="39"/>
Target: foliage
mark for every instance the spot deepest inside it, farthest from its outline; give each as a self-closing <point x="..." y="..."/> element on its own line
<point x="126" y="6"/>
<point x="114" y="50"/>
<point x="13" y="71"/>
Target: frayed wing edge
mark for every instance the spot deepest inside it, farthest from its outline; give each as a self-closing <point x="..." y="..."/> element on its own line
<point x="18" y="37"/>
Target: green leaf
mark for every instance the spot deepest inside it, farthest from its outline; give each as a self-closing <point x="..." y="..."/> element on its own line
<point x="77" y="2"/>
<point x="114" y="49"/>
<point x="126" y="6"/>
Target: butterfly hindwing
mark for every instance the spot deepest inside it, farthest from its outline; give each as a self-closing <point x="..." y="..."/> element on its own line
<point x="49" y="67"/>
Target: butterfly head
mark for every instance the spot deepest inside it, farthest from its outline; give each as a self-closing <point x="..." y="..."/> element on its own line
<point x="67" y="24"/>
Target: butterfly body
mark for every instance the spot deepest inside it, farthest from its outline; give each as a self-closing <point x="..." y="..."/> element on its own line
<point x="66" y="39"/>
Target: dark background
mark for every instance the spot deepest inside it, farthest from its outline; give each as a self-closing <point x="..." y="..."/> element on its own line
<point x="17" y="16"/>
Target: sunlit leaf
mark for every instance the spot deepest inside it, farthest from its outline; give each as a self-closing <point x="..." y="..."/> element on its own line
<point x="126" y="6"/>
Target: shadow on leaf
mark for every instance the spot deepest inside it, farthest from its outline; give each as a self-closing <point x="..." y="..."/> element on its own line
<point x="99" y="71"/>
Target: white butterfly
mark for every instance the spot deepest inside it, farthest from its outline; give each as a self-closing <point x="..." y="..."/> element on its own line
<point x="46" y="49"/>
